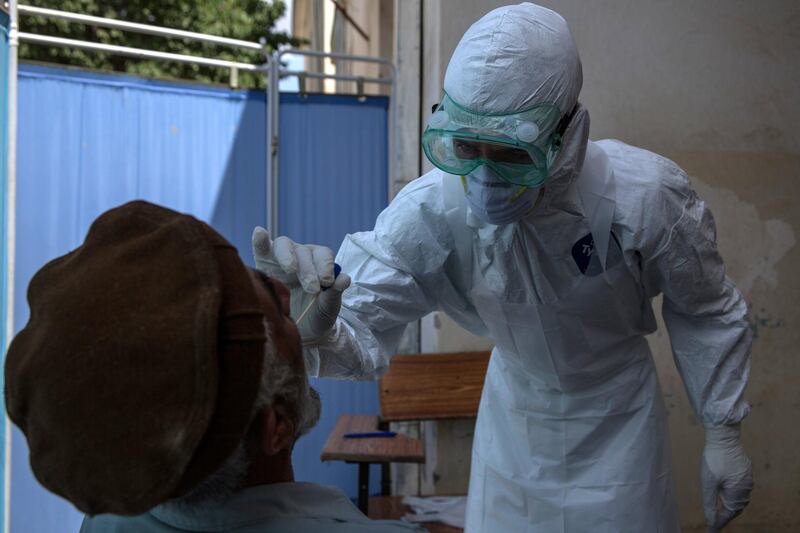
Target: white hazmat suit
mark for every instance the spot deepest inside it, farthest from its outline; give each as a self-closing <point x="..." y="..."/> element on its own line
<point x="571" y="433"/>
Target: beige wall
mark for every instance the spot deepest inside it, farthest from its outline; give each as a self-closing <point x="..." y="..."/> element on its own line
<point x="713" y="85"/>
<point x="376" y="19"/>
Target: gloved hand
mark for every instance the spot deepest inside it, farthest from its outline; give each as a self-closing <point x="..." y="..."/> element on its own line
<point x="306" y="269"/>
<point x="725" y="472"/>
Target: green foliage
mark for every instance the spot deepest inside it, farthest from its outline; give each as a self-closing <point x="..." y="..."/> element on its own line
<point x="249" y="20"/>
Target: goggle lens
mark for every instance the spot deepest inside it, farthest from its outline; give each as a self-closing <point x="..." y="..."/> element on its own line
<point x="499" y="153"/>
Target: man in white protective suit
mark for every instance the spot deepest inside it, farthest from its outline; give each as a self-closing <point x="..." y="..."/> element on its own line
<point x="554" y="246"/>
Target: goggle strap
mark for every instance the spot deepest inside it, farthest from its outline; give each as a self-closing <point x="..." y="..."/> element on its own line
<point x="516" y="196"/>
<point x="563" y="124"/>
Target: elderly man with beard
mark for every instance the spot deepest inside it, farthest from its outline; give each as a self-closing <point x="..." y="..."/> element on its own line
<point x="161" y="386"/>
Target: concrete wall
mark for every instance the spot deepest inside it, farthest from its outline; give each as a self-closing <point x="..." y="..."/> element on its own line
<point x="376" y="19"/>
<point x="713" y="85"/>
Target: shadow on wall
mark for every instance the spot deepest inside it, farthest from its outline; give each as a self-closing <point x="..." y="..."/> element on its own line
<point x="89" y="142"/>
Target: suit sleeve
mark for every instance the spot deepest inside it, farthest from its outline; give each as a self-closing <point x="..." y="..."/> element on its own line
<point x="398" y="276"/>
<point x="705" y="314"/>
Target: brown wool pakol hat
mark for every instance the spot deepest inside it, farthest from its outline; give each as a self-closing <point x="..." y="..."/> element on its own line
<point x="136" y="374"/>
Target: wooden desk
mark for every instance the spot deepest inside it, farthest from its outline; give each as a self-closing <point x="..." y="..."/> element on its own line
<point x="383" y="450"/>
<point x="397" y="449"/>
<point x="415" y="387"/>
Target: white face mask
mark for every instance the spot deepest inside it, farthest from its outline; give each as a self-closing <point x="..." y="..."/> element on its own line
<point x="496" y="201"/>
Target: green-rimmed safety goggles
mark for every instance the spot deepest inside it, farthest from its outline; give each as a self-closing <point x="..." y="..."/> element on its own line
<point x="519" y="147"/>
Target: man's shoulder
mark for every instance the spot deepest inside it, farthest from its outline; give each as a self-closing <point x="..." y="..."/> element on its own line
<point x="327" y="509"/>
<point x="634" y="166"/>
<point x="277" y="508"/>
<point x="417" y="217"/>
<point x="651" y="194"/>
<point x="425" y="191"/>
<point x="108" y="523"/>
<point x="647" y="184"/>
<point x="309" y="523"/>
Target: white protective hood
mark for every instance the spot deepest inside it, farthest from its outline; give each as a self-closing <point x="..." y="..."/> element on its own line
<point x="514" y="58"/>
<point x="517" y="57"/>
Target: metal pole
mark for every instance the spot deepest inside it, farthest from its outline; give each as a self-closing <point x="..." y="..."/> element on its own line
<point x="134" y="52"/>
<point x="270" y="153"/>
<point x="138" y="28"/>
<point x="233" y="80"/>
<point x="268" y="148"/>
<point x="341" y="77"/>
<point x="392" y="136"/>
<point x="10" y="236"/>
<point x="273" y="178"/>
<point x="335" y="55"/>
<point x="11" y="190"/>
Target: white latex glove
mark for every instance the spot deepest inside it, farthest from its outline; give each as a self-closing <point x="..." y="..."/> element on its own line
<point x="306" y="269"/>
<point x="727" y="473"/>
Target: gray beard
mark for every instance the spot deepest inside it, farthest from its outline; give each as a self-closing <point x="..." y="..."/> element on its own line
<point x="229" y="478"/>
<point x="217" y="488"/>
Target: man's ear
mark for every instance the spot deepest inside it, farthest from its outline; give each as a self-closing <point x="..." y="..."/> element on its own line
<point x="277" y="431"/>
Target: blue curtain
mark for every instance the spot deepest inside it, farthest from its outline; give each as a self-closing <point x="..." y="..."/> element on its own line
<point x="333" y="181"/>
<point x="90" y="142"/>
<point x="3" y="211"/>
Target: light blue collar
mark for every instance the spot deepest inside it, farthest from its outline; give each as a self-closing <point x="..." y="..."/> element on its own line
<point x="254" y="505"/>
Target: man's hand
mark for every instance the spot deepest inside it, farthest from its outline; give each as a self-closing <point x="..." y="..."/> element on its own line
<point x="726" y="475"/>
<point x="308" y="270"/>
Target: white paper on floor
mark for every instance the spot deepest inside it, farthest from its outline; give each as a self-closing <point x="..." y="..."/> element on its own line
<point x="448" y="510"/>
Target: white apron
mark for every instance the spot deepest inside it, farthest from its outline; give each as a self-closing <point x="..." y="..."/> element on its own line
<point x="571" y="433"/>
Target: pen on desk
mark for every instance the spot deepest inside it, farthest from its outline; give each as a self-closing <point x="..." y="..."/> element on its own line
<point x="370" y="434"/>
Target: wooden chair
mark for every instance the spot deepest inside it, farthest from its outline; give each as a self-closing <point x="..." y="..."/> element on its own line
<point x="415" y="388"/>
